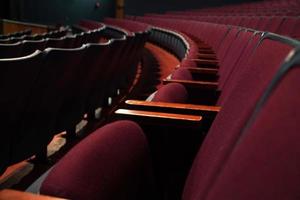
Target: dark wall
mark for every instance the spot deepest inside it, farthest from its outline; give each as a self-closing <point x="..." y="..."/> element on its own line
<point x="59" y="11"/>
<point x="138" y="7"/>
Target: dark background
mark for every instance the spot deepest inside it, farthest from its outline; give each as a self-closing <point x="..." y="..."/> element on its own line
<point x="70" y="11"/>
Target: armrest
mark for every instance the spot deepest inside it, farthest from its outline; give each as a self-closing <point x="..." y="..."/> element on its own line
<point x="13" y="194"/>
<point x="206" y="62"/>
<point x="200" y="92"/>
<point x="194" y="84"/>
<point x="204" y="74"/>
<point x="180" y="108"/>
<point x="203" y="46"/>
<point x="206" y="51"/>
<point x="207" y="56"/>
<point x="160" y="118"/>
<point x="203" y="70"/>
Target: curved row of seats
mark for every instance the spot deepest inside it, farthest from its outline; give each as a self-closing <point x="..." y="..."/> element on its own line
<point x="49" y="91"/>
<point x="244" y="147"/>
<point x="285" y="25"/>
<point x="16" y="34"/>
<point x="16" y="38"/>
<point x="261" y="164"/>
<point x="254" y="161"/>
<point x="275" y="7"/>
<point x="26" y="47"/>
<point x="250" y="148"/>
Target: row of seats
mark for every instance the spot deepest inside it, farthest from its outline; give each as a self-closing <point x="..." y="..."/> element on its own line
<point x="130" y="25"/>
<point x="272" y="16"/>
<point x="288" y="26"/>
<point x="275" y="7"/>
<point x="246" y="159"/>
<point x="16" y="34"/>
<point x="233" y="47"/>
<point x="26" y="47"/>
<point x="261" y="163"/>
<point x="49" y="91"/>
<point x="16" y="38"/>
<point x="258" y="74"/>
<point x="177" y="43"/>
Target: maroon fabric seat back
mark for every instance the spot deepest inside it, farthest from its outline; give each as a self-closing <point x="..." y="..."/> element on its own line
<point x="263" y="23"/>
<point x="230" y="78"/>
<point x="226" y="43"/>
<point x="49" y="103"/>
<point x="225" y="130"/>
<point x="172" y="92"/>
<point x="235" y="52"/>
<point x="18" y="78"/>
<point x="111" y="163"/>
<point x="265" y="161"/>
<point x="30" y="46"/>
<point x="274" y="24"/>
<point x="287" y="26"/>
<point x="296" y="30"/>
<point x="182" y="73"/>
<point x="11" y="50"/>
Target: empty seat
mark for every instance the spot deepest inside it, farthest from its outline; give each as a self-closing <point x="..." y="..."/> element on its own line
<point x="271" y="173"/>
<point x="263" y="163"/>
<point x="30" y="46"/>
<point x="262" y="67"/>
<point x="111" y="163"/>
<point x="172" y="92"/>
<point x="47" y="110"/>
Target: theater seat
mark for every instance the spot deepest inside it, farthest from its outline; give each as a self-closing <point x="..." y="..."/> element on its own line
<point x="264" y="163"/>
<point x="18" y="77"/>
<point x="172" y="92"/>
<point x="111" y="163"/>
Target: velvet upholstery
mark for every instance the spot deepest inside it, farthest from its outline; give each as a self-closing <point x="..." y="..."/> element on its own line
<point x="111" y="163"/>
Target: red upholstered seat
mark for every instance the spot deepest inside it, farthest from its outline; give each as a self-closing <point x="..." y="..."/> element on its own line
<point x="111" y="163"/>
<point x="172" y="92"/>
<point x="226" y="128"/>
<point x="264" y="163"/>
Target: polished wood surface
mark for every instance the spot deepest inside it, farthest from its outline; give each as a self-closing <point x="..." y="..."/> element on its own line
<point x="160" y="118"/>
<point x="207" y="112"/>
<point x="203" y="70"/>
<point x="10" y="26"/>
<point x="174" y="105"/>
<point x="158" y="115"/>
<point x="18" y="195"/>
<point x="120" y="9"/>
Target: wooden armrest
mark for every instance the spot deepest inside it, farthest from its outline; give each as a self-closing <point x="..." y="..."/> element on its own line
<point x="207" y="56"/>
<point x="200" y="92"/>
<point x="181" y="108"/>
<point x="194" y="84"/>
<point x="205" y="62"/>
<point x="204" y="74"/>
<point x="203" y="70"/>
<point x="160" y="118"/>
<point x="206" y="51"/>
<point x="13" y="194"/>
<point x="203" y="46"/>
